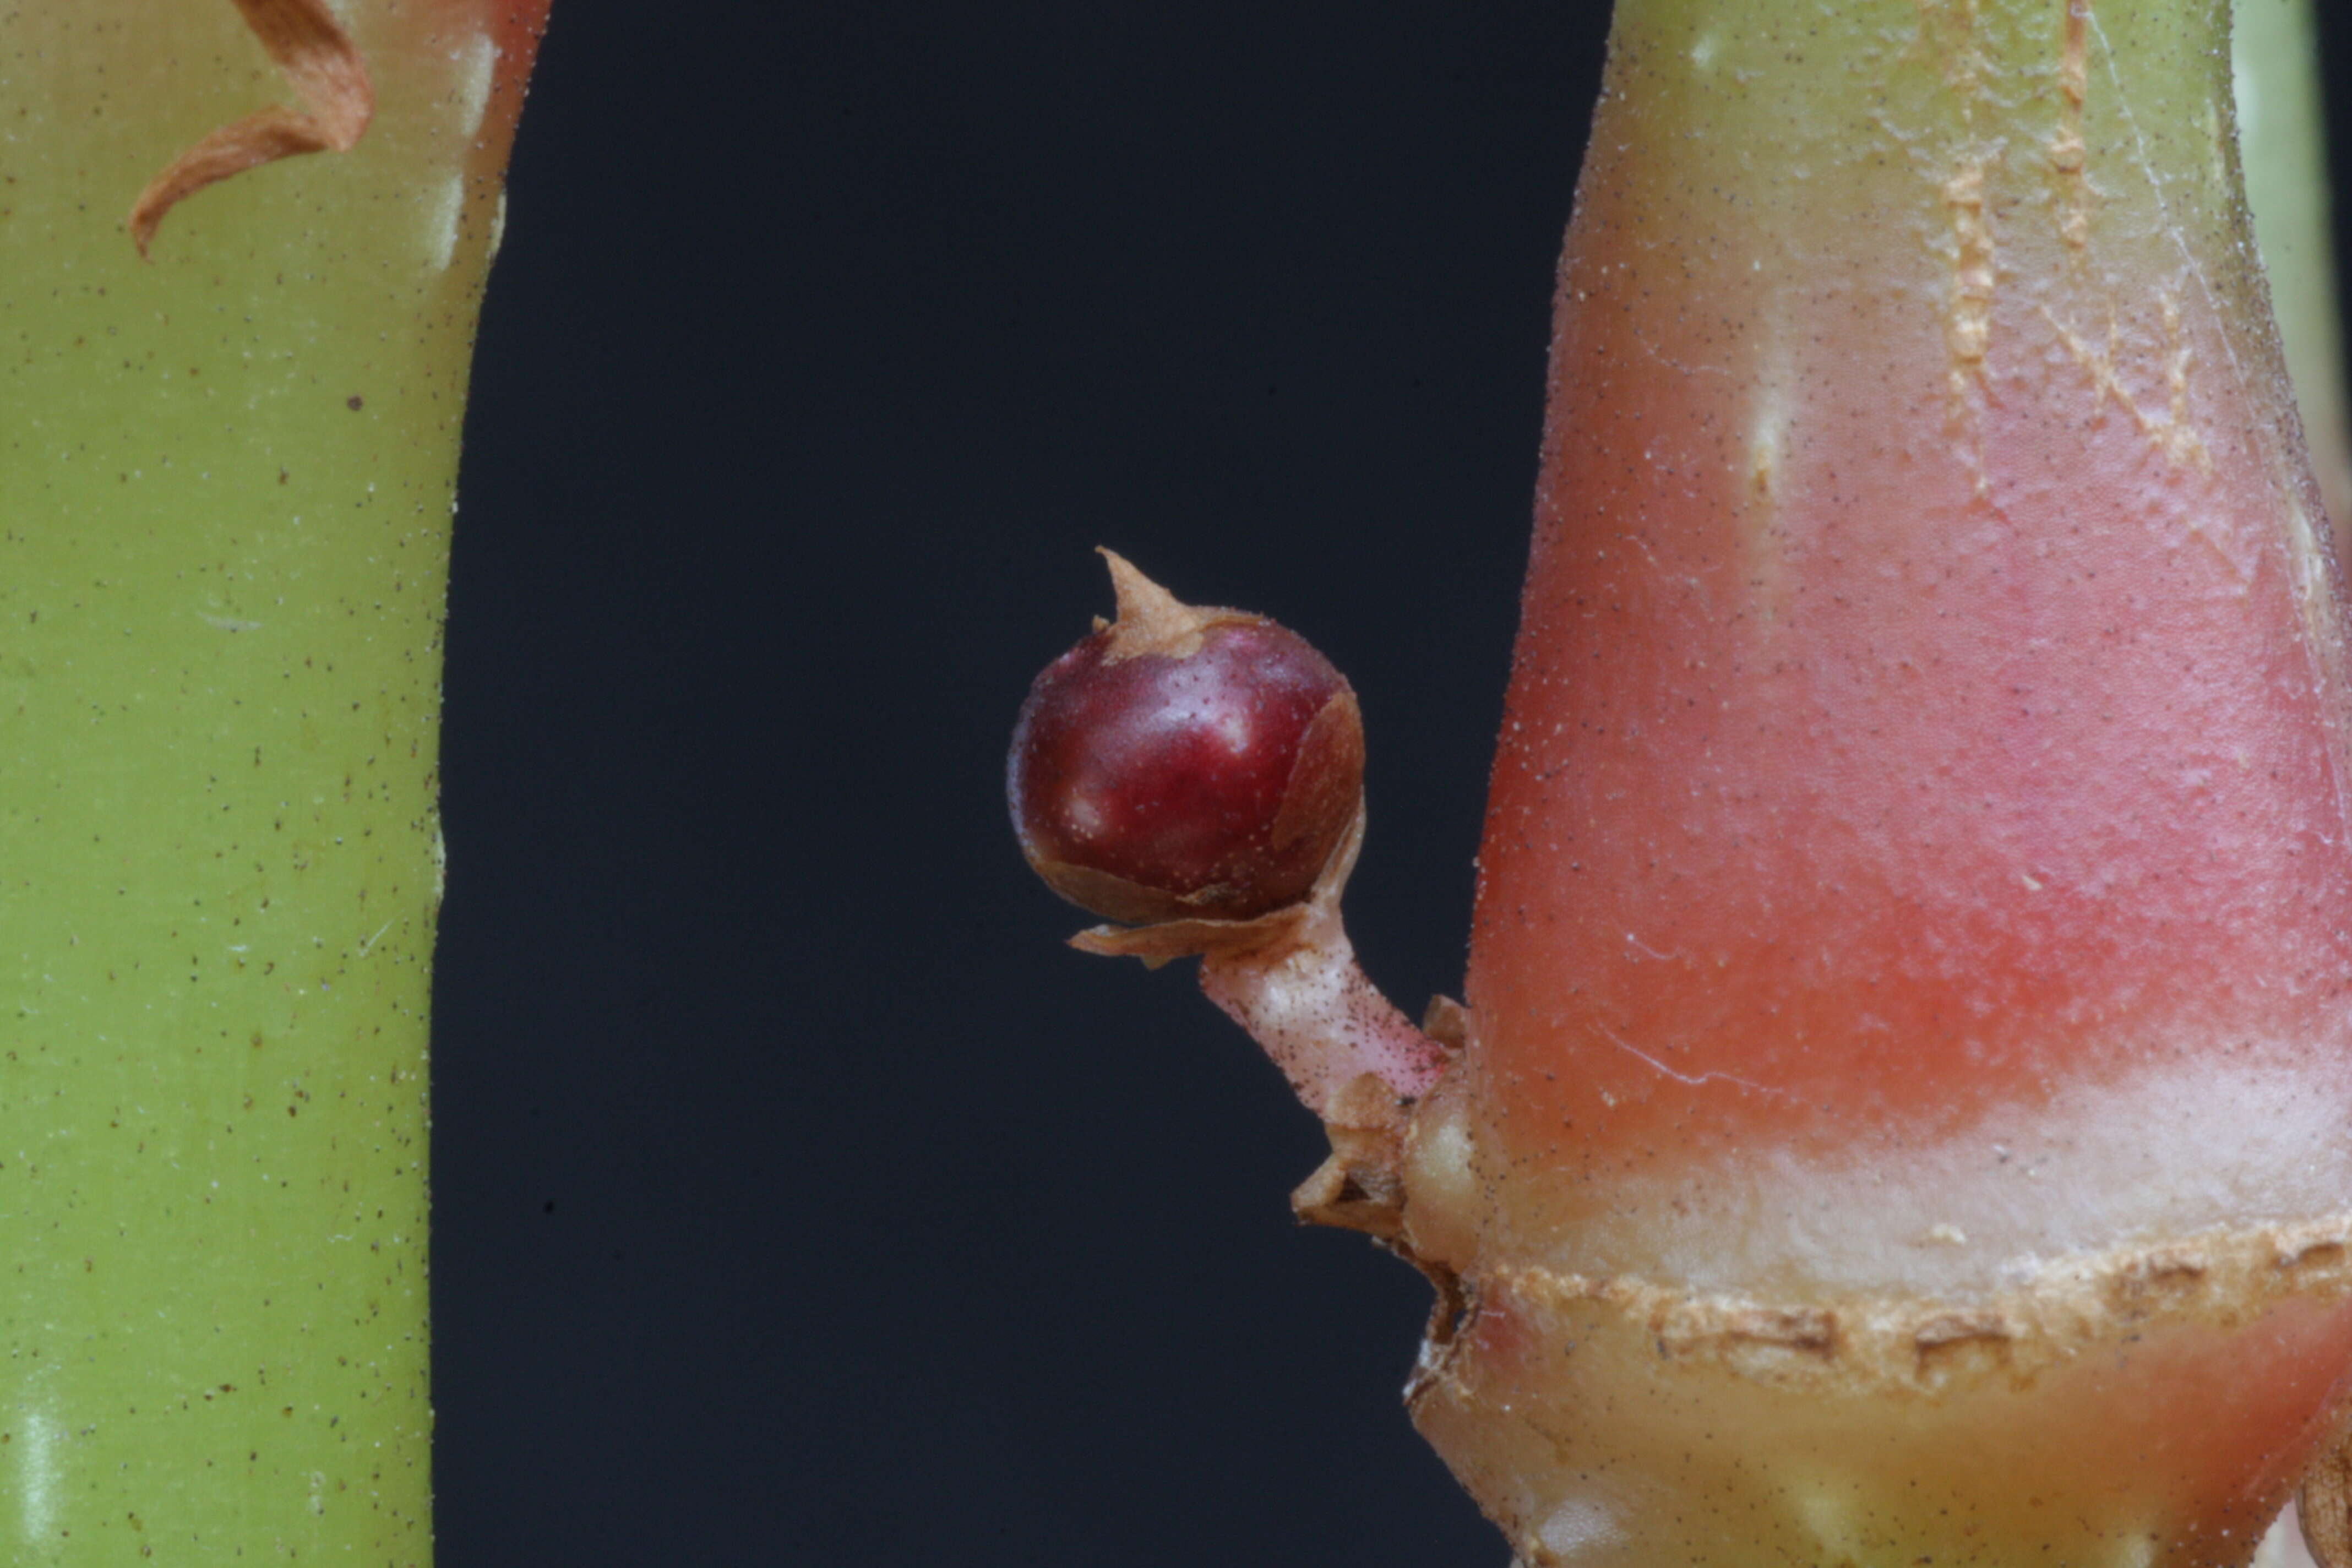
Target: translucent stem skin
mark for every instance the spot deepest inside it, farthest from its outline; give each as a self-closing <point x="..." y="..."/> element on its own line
<point x="1308" y="1003"/>
<point x="1913" y="902"/>
<point x="225" y="485"/>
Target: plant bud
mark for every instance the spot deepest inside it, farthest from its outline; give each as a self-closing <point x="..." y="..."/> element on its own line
<point x="1185" y="763"/>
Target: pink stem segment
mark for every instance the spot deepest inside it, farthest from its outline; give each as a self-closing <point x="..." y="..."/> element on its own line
<point x="1305" y="1000"/>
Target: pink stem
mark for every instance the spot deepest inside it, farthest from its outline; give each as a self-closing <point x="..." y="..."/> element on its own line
<point x="1307" y="1002"/>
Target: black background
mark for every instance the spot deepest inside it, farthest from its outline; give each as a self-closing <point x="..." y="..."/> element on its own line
<point x="800" y="1197"/>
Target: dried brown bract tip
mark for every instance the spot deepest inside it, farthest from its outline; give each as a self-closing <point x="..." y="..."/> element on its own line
<point x="322" y="63"/>
<point x="2324" y="1506"/>
<point x="1151" y="620"/>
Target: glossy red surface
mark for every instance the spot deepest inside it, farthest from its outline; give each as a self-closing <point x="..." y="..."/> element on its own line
<point x="1173" y="773"/>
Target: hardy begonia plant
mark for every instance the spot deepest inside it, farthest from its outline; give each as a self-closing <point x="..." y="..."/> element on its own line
<point x="1899" y="1111"/>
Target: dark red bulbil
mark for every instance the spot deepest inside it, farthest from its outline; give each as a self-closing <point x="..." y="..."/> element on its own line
<point x="1214" y="781"/>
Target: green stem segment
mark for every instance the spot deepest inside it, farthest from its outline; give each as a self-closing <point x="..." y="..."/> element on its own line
<point x="225" y="485"/>
<point x="2282" y="136"/>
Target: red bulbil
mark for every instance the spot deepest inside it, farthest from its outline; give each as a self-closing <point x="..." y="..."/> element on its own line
<point x="1185" y="763"/>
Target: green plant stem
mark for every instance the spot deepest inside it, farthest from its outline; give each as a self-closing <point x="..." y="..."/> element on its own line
<point x="225" y="481"/>
<point x="2283" y="144"/>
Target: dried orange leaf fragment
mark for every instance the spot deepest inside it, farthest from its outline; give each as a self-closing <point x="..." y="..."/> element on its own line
<point x="2324" y="1506"/>
<point x="323" y="65"/>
